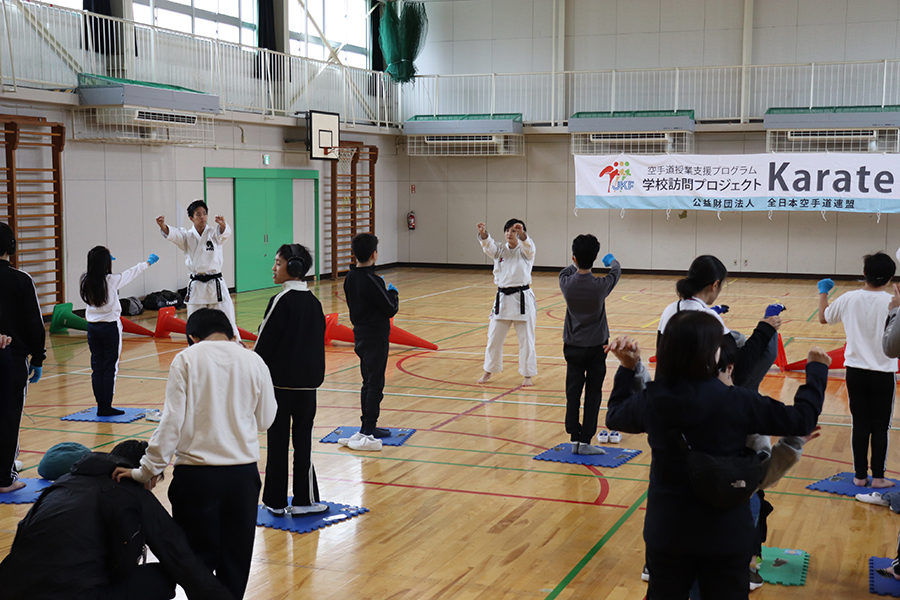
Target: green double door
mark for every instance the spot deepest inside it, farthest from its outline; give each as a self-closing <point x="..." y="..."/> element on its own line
<point x="263" y="221"/>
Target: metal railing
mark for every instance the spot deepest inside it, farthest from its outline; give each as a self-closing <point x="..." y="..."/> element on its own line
<point x="46" y="47"/>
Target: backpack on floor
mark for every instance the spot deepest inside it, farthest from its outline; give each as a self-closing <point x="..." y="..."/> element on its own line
<point x="131" y="306"/>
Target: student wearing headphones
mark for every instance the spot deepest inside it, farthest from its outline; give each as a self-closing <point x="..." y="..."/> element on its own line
<point x="21" y="359"/>
<point x="292" y="344"/>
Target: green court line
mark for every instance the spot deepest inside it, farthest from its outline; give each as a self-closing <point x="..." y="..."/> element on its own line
<point x="815" y="312"/>
<point x="790" y="339"/>
<point x="593" y="551"/>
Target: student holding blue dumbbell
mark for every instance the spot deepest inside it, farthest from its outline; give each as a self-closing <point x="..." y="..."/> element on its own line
<point x="871" y="379"/>
<point x="100" y="290"/>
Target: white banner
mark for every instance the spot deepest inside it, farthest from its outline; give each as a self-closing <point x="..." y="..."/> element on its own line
<point x="835" y="182"/>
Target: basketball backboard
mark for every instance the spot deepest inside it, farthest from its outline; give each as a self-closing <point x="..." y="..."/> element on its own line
<point x="323" y="130"/>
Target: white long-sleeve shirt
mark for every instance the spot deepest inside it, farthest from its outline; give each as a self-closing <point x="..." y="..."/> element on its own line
<point x="111" y="310"/>
<point x="512" y="268"/>
<point x="219" y="395"/>
<point x="203" y="256"/>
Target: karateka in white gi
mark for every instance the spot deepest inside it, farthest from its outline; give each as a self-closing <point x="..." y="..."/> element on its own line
<point x="514" y="303"/>
<point x="202" y="247"/>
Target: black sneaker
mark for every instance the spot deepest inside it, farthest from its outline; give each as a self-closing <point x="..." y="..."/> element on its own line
<point x="756" y="580"/>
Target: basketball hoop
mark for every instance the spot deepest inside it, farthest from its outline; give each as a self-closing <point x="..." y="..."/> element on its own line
<point x="344" y="155"/>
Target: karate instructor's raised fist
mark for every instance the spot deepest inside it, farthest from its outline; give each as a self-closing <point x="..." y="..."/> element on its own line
<point x="482" y="230"/>
<point x="161" y="220"/>
<point x="220" y="220"/>
<point x="519" y="231"/>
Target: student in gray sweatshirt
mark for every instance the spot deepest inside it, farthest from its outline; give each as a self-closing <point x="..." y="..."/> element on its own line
<point x="586" y="332"/>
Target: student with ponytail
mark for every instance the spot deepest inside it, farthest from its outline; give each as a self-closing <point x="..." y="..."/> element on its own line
<point x="100" y="290"/>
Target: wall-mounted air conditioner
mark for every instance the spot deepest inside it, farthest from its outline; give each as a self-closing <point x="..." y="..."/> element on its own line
<point x="144" y="117"/>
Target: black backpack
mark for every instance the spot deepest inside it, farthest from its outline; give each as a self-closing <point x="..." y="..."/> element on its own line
<point x="131" y="306"/>
<point x="162" y="299"/>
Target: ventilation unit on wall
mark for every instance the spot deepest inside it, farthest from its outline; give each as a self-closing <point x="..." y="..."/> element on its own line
<point x="465" y="135"/>
<point x="833" y="129"/>
<point x="635" y="132"/>
<point x="118" y="110"/>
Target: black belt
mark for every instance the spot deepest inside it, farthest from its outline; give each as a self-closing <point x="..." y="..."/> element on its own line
<point x="205" y="278"/>
<point x="509" y="291"/>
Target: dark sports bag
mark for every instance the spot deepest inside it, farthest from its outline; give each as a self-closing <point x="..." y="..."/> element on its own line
<point x="162" y="299"/>
<point x="131" y="306"/>
<point x="723" y="481"/>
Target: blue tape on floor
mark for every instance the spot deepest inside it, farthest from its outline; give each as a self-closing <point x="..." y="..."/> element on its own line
<point x="27" y="494"/>
<point x="398" y="436"/>
<point x="842" y="484"/>
<point x="883" y="586"/>
<point x="614" y="457"/>
<point x="90" y="414"/>
<point x="306" y="523"/>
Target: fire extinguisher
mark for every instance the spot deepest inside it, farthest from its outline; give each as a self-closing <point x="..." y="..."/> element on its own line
<point x="411" y="220"/>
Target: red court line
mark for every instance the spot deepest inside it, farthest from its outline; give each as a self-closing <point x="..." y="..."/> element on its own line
<point x="457" y="491"/>
<point x="434" y="356"/>
<point x="552" y="317"/>
<point x="604" y="485"/>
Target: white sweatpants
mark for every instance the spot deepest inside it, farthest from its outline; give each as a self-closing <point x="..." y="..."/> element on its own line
<point x="493" y="354"/>
<point x="226" y="306"/>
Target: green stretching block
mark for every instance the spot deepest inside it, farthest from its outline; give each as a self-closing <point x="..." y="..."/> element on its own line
<point x="787" y="567"/>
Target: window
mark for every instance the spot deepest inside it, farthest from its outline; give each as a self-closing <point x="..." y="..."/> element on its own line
<point x="345" y="24"/>
<point x="228" y="20"/>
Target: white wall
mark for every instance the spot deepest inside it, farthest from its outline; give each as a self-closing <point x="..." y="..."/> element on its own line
<point x="514" y="36"/>
<point x="452" y="194"/>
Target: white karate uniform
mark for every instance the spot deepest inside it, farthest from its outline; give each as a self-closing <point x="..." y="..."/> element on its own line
<point x="512" y="268"/>
<point x="203" y="256"/>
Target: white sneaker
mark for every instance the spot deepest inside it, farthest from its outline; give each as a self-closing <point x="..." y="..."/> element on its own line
<point x="873" y="498"/>
<point x="19" y="465"/>
<point x="299" y="511"/>
<point x="615" y="437"/>
<point x="366" y="442"/>
<point x="603" y="436"/>
<point x="353" y="438"/>
<point x="152" y="414"/>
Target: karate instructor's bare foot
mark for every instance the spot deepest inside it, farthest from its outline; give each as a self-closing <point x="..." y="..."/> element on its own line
<point x="484" y="378"/>
<point x="881" y="482"/>
<point x="860" y="482"/>
<point x="16" y="485"/>
<point x="527" y="382"/>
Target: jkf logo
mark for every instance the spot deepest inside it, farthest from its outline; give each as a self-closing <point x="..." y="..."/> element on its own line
<point x="617" y="174"/>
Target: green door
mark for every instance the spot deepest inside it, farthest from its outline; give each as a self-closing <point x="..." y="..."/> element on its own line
<point x="263" y="220"/>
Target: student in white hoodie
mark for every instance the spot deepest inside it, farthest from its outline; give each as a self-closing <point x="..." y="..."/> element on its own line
<point x="218" y="397"/>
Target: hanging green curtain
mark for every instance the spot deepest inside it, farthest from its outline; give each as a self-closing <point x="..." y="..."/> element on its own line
<point x="402" y="38"/>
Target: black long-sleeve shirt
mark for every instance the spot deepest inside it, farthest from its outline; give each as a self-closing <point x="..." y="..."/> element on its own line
<point x="371" y="304"/>
<point x="292" y="340"/>
<point x="715" y="419"/>
<point x="20" y="314"/>
<point x="86" y="532"/>
<point x="585" y="295"/>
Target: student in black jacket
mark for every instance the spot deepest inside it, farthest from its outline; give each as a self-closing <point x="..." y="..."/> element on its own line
<point x="686" y="537"/>
<point x="21" y="361"/>
<point x="371" y="308"/>
<point x="292" y="343"/>
<point x="84" y="538"/>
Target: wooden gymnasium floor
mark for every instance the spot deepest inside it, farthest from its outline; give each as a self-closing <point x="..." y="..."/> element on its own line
<point x="462" y="511"/>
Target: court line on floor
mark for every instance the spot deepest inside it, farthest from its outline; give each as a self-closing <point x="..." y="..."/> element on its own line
<point x="597" y="547"/>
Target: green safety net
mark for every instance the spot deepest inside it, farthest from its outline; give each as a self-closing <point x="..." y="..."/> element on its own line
<point x="402" y="37"/>
<point x="89" y="80"/>
<point x="832" y="109"/>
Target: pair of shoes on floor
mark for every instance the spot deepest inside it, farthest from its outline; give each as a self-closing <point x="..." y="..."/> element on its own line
<point x="645" y="574"/>
<point x="609" y="437"/>
<point x="756" y="580"/>
<point x="153" y="414"/>
<point x="873" y="498"/>
<point x="584" y="449"/>
<point x="297" y="511"/>
<point x="358" y="441"/>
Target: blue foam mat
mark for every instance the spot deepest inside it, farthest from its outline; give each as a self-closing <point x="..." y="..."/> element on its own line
<point x="882" y="586"/>
<point x="28" y="494"/>
<point x="614" y="457"/>
<point x="90" y="414"/>
<point x="842" y="484"/>
<point x="398" y="436"/>
<point x="306" y="523"/>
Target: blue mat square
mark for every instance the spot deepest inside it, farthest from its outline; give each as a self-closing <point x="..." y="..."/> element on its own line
<point x="398" y="436"/>
<point x="90" y="414"/>
<point x="842" y="484"/>
<point x="307" y="523"/>
<point x="882" y="586"/>
<point x="28" y="494"/>
<point x="614" y="457"/>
